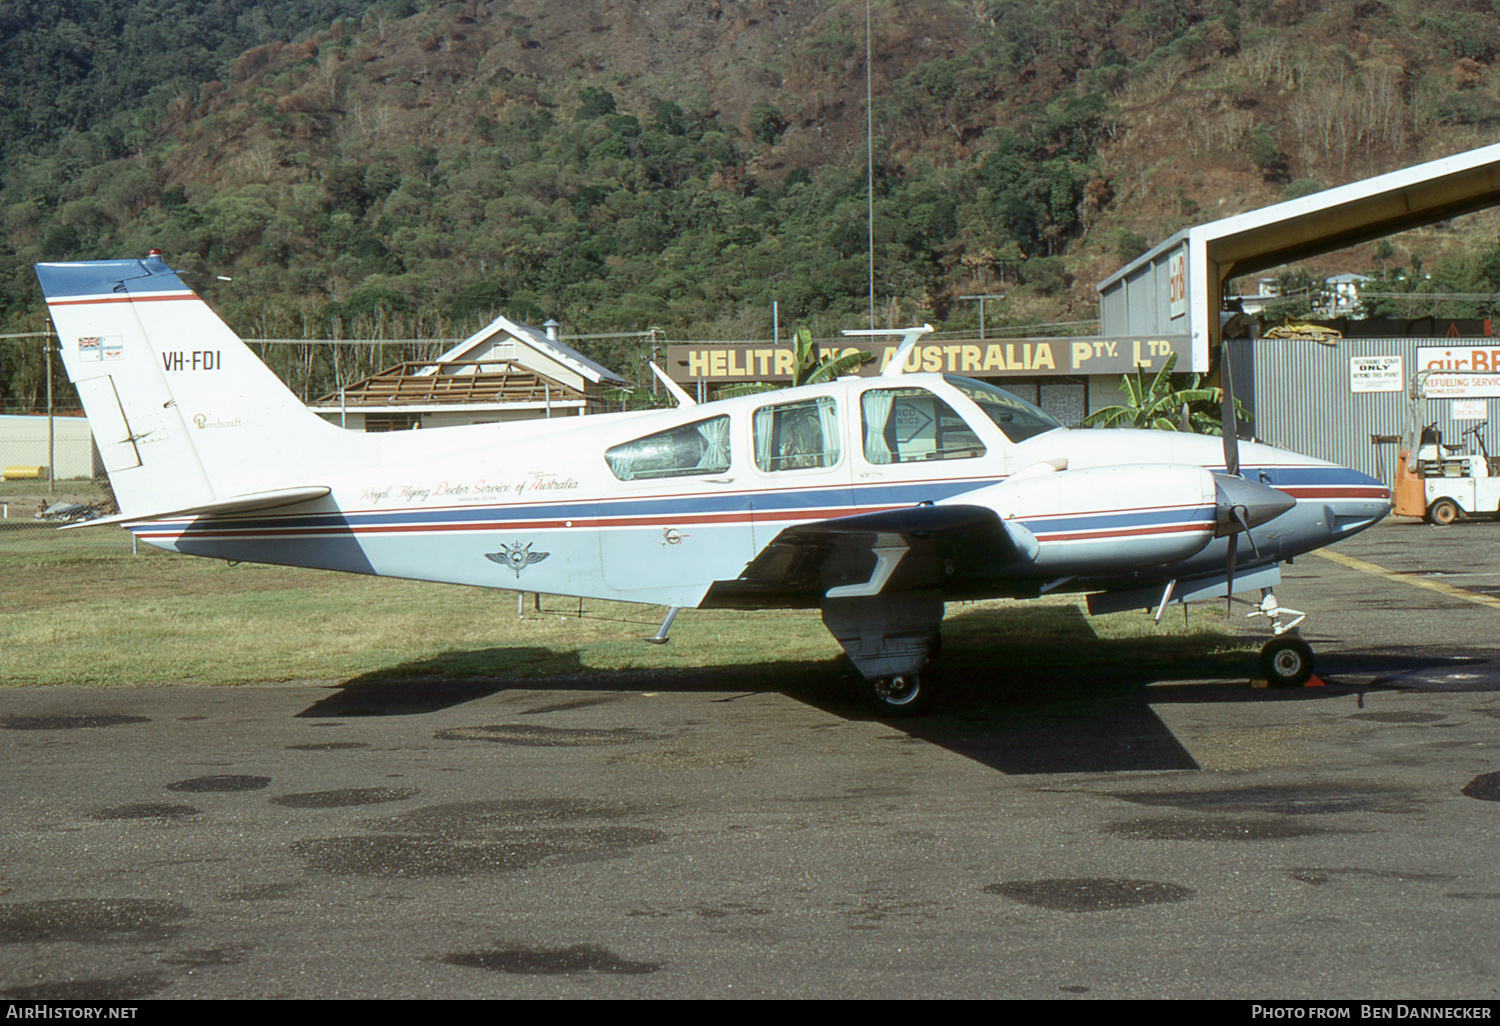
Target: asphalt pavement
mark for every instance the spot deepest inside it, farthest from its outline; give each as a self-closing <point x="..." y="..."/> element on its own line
<point x="688" y="836"/>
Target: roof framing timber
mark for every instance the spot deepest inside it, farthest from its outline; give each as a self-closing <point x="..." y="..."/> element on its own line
<point x="414" y="384"/>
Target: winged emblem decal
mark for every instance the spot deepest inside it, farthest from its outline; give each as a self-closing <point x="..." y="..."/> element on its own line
<point x="517" y="556"/>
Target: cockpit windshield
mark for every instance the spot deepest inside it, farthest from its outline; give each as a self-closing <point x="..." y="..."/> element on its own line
<point x="1018" y="419"/>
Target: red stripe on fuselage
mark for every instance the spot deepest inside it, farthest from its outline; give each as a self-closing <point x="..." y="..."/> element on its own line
<point x="575" y="523"/>
<point x="1334" y="492"/>
<point x="1110" y="534"/>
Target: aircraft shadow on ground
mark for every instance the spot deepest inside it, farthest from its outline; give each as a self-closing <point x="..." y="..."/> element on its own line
<point x="1026" y="696"/>
<point x="455" y="678"/>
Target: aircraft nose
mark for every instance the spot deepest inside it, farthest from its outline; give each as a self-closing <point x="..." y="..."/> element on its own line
<point x="1243" y="504"/>
<point x="1354" y="501"/>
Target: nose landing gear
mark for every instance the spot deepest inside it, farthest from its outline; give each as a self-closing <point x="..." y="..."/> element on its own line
<point x="1286" y="661"/>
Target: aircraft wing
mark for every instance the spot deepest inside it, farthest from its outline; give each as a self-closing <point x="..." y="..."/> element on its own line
<point x="912" y="548"/>
<point x="1022" y="534"/>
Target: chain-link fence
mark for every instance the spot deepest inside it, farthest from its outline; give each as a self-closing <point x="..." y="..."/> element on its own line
<point x="50" y="477"/>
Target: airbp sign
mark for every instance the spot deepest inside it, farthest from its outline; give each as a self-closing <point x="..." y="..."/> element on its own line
<point x="728" y="362"/>
<point x="1177" y="284"/>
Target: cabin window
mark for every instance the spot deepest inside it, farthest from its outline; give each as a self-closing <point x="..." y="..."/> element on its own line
<point x="698" y="448"/>
<point x="1014" y="416"/>
<point x="907" y="425"/>
<point x="797" y="436"/>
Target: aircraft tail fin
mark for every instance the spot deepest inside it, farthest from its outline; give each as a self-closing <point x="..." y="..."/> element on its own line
<point x="184" y="414"/>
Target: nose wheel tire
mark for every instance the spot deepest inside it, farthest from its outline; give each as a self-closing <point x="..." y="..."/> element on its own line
<point x="903" y="694"/>
<point x="1286" y="662"/>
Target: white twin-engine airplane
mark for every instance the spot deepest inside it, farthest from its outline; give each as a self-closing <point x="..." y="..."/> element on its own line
<point x="873" y="499"/>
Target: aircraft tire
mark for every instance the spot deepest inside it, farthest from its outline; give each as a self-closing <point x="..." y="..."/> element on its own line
<point x="1286" y="662"/>
<point x="1443" y="512"/>
<point x="904" y="694"/>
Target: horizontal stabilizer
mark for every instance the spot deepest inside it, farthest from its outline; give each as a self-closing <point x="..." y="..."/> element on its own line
<point x="221" y="507"/>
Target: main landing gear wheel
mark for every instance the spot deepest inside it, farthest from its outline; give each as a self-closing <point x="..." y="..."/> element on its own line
<point x="1286" y="661"/>
<point x="903" y="694"/>
<point x="1443" y="512"/>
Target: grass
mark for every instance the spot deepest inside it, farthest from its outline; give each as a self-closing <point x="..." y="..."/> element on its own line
<point x="24" y="538"/>
<point x="158" y="618"/>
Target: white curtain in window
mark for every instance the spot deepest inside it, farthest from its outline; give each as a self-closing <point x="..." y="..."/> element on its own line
<point x="715" y="444"/>
<point x="828" y="424"/>
<point x="764" y="418"/>
<point x="876" y="406"/>
<point x="621" y="464"/>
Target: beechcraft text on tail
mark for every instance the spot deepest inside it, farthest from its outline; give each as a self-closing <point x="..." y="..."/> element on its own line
<point x="875" y="500"/>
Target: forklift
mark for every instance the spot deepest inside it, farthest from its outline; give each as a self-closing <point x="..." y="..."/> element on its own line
<point x="1438" y="481"/>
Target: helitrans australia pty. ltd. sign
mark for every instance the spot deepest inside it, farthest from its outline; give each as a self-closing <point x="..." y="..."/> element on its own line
<point x="729" y="362"/>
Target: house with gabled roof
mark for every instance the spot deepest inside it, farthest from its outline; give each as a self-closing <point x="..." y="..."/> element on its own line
<point x="505" y="371"/>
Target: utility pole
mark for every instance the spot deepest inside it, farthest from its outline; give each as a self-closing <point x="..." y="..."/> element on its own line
<point x="51" y="427"/>
<point x="870" y="163"/>
<point x="982" y="298"/>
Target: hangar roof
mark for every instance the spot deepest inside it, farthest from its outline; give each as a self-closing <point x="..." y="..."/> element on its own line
<point x="1354" y="213"/>
<point x="1201" y="259"/>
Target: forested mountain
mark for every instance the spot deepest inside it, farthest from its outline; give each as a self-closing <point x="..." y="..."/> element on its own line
<point x="407" y="169"/>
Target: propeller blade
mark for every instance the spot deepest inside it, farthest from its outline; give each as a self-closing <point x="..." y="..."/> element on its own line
<point x="1239" y="514"/>
<point x="1229" y="584"/>
<point x="1226" y="413"/>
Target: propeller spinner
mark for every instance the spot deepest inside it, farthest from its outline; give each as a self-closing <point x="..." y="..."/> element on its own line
<point x="1239" y="506"/>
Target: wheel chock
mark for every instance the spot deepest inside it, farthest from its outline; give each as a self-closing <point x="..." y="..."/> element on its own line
<point x="1312" y="682"/>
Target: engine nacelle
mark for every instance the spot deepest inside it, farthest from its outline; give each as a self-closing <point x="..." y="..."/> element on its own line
<point x="1103" y="519"/>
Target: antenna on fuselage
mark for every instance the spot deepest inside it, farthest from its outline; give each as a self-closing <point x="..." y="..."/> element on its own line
<point x="908" y="342"/>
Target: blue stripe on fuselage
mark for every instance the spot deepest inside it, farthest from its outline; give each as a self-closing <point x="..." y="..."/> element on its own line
<point x="644" y="507"/>
<point x="829" y="500"/>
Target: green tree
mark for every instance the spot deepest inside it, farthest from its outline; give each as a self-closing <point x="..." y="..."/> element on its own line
<point x="810" y="368"/>
<point x="594" y="102"/>
<point x="766" y="123"/>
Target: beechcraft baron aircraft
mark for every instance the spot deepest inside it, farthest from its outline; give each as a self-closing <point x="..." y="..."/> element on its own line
<point x="873" y="499"/>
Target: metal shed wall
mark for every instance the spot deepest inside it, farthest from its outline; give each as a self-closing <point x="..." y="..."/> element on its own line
<point x="23" y="441"/>
<point x="1303" y="402"/>
<point x="1138" y="300"/>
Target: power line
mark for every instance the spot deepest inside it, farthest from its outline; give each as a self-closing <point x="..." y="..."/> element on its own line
<point x="1456" y="297"/>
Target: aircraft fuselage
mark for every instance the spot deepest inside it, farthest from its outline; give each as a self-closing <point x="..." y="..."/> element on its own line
<point x="535" y="507"/>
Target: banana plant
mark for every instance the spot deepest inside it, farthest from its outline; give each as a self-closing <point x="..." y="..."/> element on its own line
<point x="808" y="367"/>
<point x="1162" y="405"/>
<point x="813" y="369"/>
